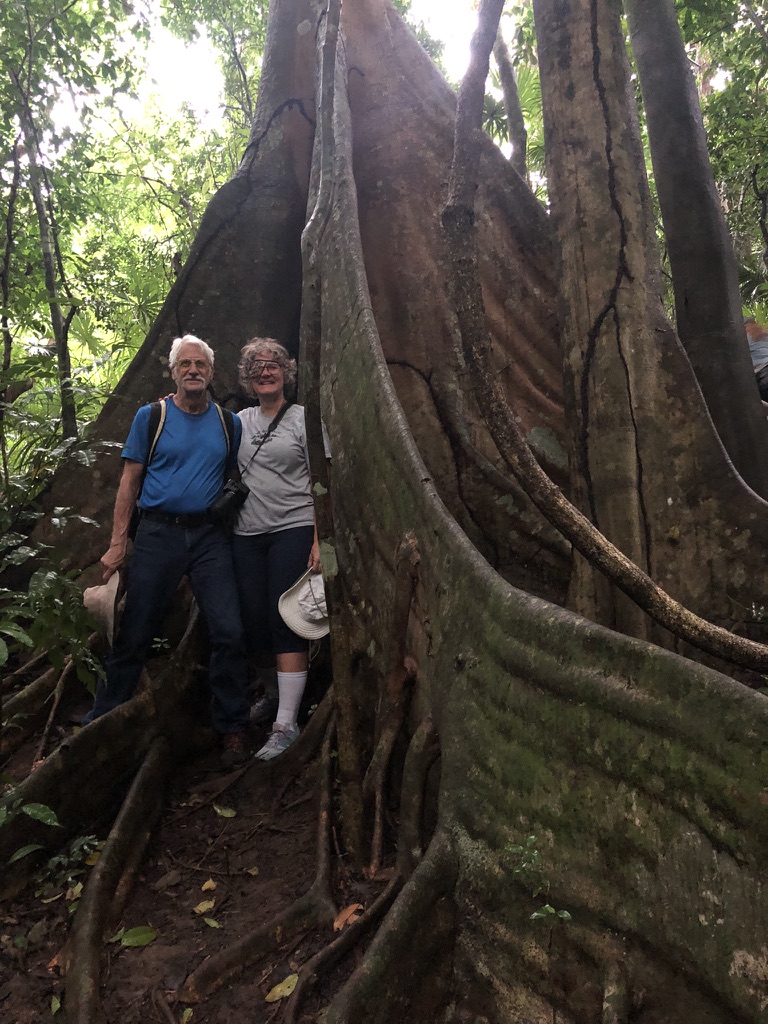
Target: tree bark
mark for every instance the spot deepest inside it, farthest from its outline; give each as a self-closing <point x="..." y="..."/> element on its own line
<point x="645" y="460"/>
<point x="701" y="256"/>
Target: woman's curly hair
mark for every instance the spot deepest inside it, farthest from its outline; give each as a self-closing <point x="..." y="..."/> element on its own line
<point x="258" y="349"/>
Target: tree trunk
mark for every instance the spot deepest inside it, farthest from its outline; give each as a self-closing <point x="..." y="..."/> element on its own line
<point x="645" y="460"/>
<point x="640" y="774"/>
<point x="59" y="324"/>
<point x="518" y="135"/>
<point x="704" y="270"/>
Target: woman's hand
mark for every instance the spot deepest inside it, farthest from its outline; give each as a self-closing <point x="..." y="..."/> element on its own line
<point x="313" y="561"/>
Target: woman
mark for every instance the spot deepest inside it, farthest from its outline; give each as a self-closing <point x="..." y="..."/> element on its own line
<point x="275" y="538"/>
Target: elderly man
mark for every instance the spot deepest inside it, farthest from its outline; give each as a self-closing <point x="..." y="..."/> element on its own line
<point x="176" y="475"/>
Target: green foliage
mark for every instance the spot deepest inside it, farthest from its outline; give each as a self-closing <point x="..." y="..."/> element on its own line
<point x="11" y="808"/>
<point x="125" y="185"/>
<point x="434" y="47"/>
<point x="142" y="935"/>
<point x="49" y="613"/>
<point x="729" y="55"/>
<point x="67" y="867"/>
<point x="527" y="868"/>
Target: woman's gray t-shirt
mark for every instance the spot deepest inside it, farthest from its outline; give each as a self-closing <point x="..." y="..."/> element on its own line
<point x="277" y="477"/>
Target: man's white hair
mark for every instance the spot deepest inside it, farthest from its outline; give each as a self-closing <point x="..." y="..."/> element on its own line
<point x="189" y="339"/>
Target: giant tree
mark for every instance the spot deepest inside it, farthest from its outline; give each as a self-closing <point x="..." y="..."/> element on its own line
<point x="449" y="329"/>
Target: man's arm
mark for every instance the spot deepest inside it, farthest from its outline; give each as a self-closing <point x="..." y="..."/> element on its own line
<point x="125" y="502"/>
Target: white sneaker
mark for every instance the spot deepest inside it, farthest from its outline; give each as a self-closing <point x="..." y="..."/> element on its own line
<point x="281" y="738"/>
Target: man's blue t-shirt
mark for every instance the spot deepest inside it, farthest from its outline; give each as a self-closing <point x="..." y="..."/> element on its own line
<point x="187" y="470"/>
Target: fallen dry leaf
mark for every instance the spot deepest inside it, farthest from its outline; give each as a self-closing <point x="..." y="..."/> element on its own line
<point x="207" y="886"/>
<point x="172" y="877"/>
<point x="347" y="916"/>
<point x="283" y="990"/>
<point x="201" y="908"/>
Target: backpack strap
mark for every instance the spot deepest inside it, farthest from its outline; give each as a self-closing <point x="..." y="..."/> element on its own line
<point x="227" y="425"/>
<point x="157" y="415"/>
<point x="155" y="424"/>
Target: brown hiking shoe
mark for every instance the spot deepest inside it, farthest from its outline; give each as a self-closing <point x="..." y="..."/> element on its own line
<point x="235" y="749"/>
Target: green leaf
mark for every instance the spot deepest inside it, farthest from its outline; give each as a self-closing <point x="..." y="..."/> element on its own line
<point x="3" y="651"/>
<point x="55" y="1005"/>
<point x="283" y="990"/>
<point x="11" y="629"/>
<point x="117" y="936"/>
<point x="224" y="812"/>
<point x="24" y="852"/>
<point x="140" y="936"/>
<point x="211" y="922"/>
<point x="41" y="812"/>
<point x="187" y="1015"/>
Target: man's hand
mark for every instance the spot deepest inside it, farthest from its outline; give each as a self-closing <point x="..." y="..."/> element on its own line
<point x="113" y="559"/>
<point x="125" y="502"/>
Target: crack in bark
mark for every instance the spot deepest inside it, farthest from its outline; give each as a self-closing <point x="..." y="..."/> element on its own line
<point x="289" y="104"/>
<point x="638" y="458"/>
<point x="622" y="269"/>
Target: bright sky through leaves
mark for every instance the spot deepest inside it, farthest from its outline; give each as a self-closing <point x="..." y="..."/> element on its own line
<point x="452" y="21"/>
<point x="189" y="73"/>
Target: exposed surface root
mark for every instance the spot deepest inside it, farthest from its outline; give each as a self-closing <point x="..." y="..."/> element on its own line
<point x="58" y="693"/>
<point x="434" y="877"/>
<point x="23" y="711"/>
<point x="78" y="778"/>
<point x="315" y="909"/>
<point x="113" y="874"/>
<point x="334" y="951"/>
<point x="616" y="1000"/>
<point x="288" y="765"/>
<point x="9" y="681"/>
<point x="391" y="711"/>
<point x="423" y="751"/>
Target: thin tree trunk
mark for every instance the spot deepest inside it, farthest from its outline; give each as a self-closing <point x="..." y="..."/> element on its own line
<point x="518" y="134"/>
<point x="5" y="271"/>
<point x="704" y="270"/>
<point x="59" y="324"/>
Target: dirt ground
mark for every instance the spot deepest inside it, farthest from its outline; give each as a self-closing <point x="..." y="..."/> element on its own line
<point x="230" y="852"/>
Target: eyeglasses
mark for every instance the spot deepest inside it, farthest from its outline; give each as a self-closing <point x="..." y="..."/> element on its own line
<point x="265" y="364"/>
<point x="199" y="364"/>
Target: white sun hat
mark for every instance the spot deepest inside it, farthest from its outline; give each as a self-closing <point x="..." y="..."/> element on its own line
<point x="303" y="608"/>
<point x="102" y="602"/>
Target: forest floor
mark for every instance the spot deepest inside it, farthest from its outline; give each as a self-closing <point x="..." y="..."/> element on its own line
<point x="230" y="852"/>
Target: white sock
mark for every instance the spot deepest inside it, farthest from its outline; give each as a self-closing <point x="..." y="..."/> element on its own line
<point x="291" y="686"/>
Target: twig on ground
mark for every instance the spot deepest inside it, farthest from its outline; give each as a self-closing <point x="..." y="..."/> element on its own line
<point x="57" y="695"/>
<point x="159" y="1001"/>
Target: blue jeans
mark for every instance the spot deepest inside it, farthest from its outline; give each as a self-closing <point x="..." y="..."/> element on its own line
<point x="266" y="565"/>
<point x="162" y="554"/>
